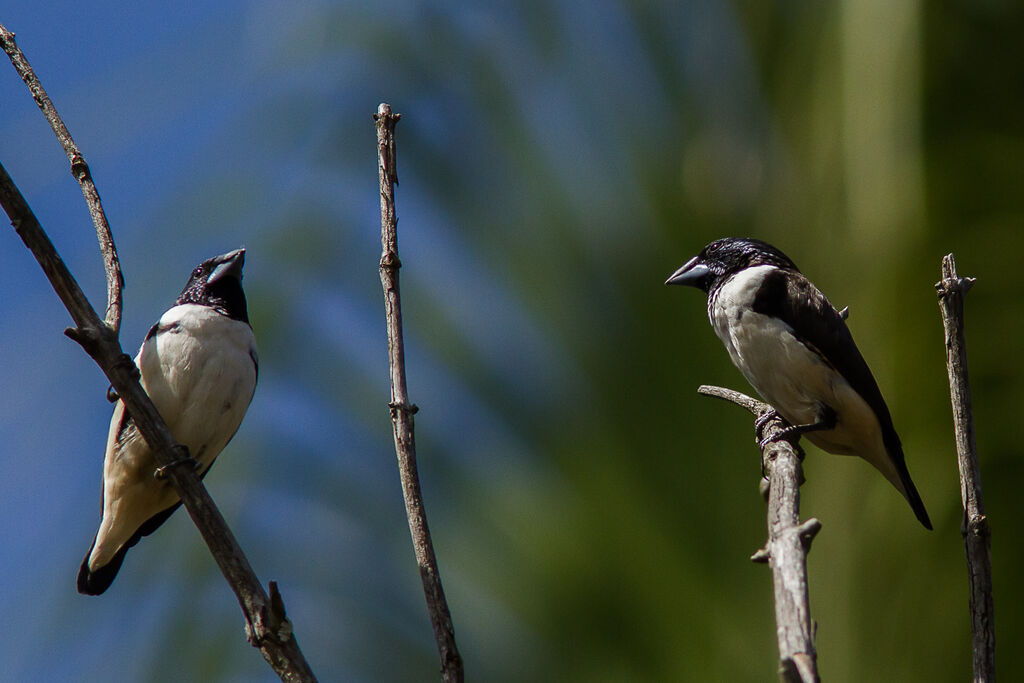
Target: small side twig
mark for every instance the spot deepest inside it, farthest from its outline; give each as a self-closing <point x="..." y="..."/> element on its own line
<point x="974" y="528"/>
<point x="402" y="410"/>
<point x="788" y="543"/>
<point x="80" y="170"/>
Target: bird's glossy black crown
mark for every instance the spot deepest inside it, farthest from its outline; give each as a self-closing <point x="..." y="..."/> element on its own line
<point x="726" y="256"/>
<point x="217" y="283"/>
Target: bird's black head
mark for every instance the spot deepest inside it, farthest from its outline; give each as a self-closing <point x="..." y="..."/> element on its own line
<point x="217" y="283"/>
<point x="726" y="256"/>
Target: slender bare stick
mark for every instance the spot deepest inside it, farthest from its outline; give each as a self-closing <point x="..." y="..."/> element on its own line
<point x="788" y="542"/>
<point x="80" y="170"/>
<point x="974" y="527"/>
<point x="402" y="410"/>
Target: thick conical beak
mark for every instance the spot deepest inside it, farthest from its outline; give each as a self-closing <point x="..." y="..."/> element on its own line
<point x="229" y="264"/>
<point x="690" y="273"/>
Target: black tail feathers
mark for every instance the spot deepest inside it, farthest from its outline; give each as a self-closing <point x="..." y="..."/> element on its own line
<point x="916" y="504"/>
<point x="96" y="582"/>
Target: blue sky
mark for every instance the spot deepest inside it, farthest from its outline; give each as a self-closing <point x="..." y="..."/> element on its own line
<point x="160" y="99"/>
<point x="208" y="128"/>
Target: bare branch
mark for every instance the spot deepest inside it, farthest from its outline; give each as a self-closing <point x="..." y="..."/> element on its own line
<point x="402" y="410"/>
<point x="788" y="540"/>
<point x="267" y="626"/>
<point x="80" y="170"/>
<point x="974" y="527"/>
<point x="742" y="400"/>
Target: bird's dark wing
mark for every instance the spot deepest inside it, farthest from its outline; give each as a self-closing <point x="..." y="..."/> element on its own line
<point x="791" y="297"/>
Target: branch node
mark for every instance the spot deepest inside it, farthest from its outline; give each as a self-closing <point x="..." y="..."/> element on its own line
<point x="408" y="408"/>
<point x="978" y="526"/>
<point x="90" y="337"/>
<point x="278" y="614"/>
<point x="761" y="556"/>
<point x="807" y="531"/>
<point x="79" y="167"/>
<point x="389" y="259"/>
<point x="77" y="335"/>
<point x="788" y="672"/>
<point x="276" y="602"/>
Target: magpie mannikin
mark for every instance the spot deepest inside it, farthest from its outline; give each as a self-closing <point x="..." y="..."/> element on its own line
<point x="794" y="347"/>
<point x="199" y="366"/>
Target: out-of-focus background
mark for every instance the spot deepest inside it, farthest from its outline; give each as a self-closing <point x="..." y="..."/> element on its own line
<point x="593" y="516"/>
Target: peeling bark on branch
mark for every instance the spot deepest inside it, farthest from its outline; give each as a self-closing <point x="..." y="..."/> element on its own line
<point x="402" y="410"/>
<point x="974" y="527"/>
<point x="788" y="542"/>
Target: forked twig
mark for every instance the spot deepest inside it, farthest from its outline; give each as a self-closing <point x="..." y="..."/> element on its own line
<point x="267" y="625"/>
<point x="80" y="170"/>
<point x="788" y="542"/>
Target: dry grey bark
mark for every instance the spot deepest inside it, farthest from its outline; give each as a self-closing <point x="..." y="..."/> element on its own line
<point x="788" y="543"/>
<point x="267" y="626"/>
<point x="974" y="527"/>
<point x="402" y="410"/>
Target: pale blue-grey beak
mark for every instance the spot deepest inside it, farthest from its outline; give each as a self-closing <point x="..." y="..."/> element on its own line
<point x="228" y="264"/>
<point x="690" y="273"/>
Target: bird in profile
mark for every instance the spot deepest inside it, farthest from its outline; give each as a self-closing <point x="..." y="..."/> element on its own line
<point x="198" y="364"/>
<point x="795" y="349"/>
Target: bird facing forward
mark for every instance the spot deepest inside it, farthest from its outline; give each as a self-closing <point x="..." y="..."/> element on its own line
<point x="795" y="349"/>
<point x="199" y="365"/>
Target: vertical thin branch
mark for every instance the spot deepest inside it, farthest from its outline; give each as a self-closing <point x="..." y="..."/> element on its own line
<point x="788" y="543"/>
<point x="974" y="527"/>
<point x="80" y="170"/>
<point x="402" y="410"/>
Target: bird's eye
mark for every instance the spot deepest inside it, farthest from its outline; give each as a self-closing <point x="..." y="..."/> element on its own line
<point x="197" y="272"/>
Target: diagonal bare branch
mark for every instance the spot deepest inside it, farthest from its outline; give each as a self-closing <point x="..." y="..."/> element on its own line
<point x="267" y="626"/>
